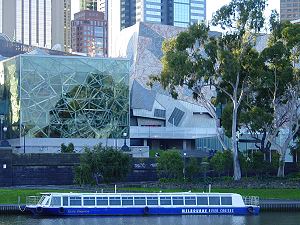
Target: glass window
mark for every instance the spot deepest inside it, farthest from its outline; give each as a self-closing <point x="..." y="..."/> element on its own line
<point x="152" y="200"/>
<point x="114" y="201"/>
<point x="88" y="200"/>
<point x="56" y="201"/>
<point x="226" y="200"/>
<point x="75" y="201"/>
<point x="214" y="200"/>
<point x="202" y="201"/>
<point x="102" y="200"/>
<point x="177" y="200"/>
<point x="181" y="13"/>
<point x="127" y="200"/>
<point x="139" y="200"/>
<point x="65" y="201"/>
<point x="165" y="200"/>
<point x="190" y="200"/>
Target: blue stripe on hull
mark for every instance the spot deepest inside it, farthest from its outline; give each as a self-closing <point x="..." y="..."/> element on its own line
<point x="146" y="211"/>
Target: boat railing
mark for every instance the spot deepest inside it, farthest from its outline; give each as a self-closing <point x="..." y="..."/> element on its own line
<point x="32" y="200"/>
<point x="251" y="200"/>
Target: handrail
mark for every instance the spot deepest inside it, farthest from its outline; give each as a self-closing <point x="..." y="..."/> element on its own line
<point x="251" y="200"/>
<point x="32" y="200"/>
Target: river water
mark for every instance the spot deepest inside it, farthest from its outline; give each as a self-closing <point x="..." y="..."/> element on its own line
<point x="277" y="218"/>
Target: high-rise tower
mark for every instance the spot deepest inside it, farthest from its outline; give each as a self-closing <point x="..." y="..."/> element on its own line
<point x="289" y="10"/>
<point x="43" y="23"/>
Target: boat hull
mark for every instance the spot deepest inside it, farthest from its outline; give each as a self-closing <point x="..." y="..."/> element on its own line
<point x="68" y="211"/>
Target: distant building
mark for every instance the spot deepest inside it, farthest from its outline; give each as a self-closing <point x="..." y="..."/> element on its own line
<point x="157" y="120"/>
<point x="125" y="13"/>
<point x="38" y="23"/>
<point x="89" y="33"/>
<point x="289" y="10"/>
<point x="88" y="5"/>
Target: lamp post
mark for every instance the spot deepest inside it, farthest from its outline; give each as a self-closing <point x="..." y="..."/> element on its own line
<point x="125" y="148"/>
<point x="4" y="132"/>
<point x="184" y="155"/>
<point x="24" y="140"/>
<point x="125" y="135"/>
<point x="1" y="125"/>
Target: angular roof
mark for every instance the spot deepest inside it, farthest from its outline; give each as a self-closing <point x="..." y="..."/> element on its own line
<point x="141" y="98"/>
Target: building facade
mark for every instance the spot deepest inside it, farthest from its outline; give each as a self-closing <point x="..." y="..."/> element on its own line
<point x="89" y="33"/>
<point x="66" y="97"/>
<point x="157" y="120"/>
<point x="181" y="13"/>
<point x="125" y="13"/>
<point x="88" y="5"/>
<point x="289" y="9"/>
<point x="38" y="23"/>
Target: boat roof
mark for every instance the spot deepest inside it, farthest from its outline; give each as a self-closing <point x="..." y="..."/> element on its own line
<point x="139" y="193"/>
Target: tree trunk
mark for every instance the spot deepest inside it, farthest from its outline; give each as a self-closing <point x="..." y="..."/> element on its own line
<point x="236" y="164"/>
<point x="280" y="172"/>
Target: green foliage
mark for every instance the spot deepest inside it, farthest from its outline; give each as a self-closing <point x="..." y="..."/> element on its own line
<point x="221" y="162"/>
<point x="193" y="168"/>
<point x="102" y="163"/>
<point x="67" y="149"/>
<point x="170" y="165"/>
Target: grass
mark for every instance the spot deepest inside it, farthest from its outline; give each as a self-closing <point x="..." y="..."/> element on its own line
<point x="279" y="193"/>
<point x="10" y="196"/>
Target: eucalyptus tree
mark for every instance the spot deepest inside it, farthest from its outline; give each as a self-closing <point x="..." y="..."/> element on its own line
<point x="229" y="62"/>
<point x="272" y="111"/>
<point x="282" y="59"/>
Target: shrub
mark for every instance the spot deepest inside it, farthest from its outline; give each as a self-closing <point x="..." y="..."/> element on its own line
<point x="102" y="164"/>
<point x="170" y="165"/>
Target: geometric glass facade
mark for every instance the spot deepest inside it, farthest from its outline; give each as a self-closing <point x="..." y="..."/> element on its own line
<point x="66" y="97"/>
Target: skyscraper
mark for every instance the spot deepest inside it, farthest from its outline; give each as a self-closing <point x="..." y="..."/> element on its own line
<point x="35" y="22"/>
<point x="89" y="33"/>
<point x="179" y="13"/>
<point x="289" y="10"/>
<point x="88" y="5"/>
<point x="125" y="13"/>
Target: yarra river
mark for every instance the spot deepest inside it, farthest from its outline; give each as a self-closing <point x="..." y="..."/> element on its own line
<point x="278" y="218"/>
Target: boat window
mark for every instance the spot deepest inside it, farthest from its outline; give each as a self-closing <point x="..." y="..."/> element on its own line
<point x="48" y="201"/>
<point x="75" y="201"/>
<point x="214" y="200"/>
<point x="165" y="200"/>
<point x="152" y="200"/>
<point x="56" y="201"/>
<point x="41" y="199"/>
<point x="88" y="200"/>
<point x="189" y="200"/>
<point x="65" y="201"/>
<point x="127" y="200"/>
<point x="139" y="200"/>
<point x="114" y="201"/>
<point x="177" y="200"/>
<point x="226" y="200"/>
<point x="102" y="200"/>
<point x="202" y="201"/>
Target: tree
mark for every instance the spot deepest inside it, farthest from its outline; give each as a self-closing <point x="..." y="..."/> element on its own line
<point x="170" y="165"/>
<point x="67" y="149"/>
<point x="276" y="99"/>
<point x="193" y="168"/>
<point x="228" y="63"/>
<point x="221" y="162"/>
<point x="105" y="163"/>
